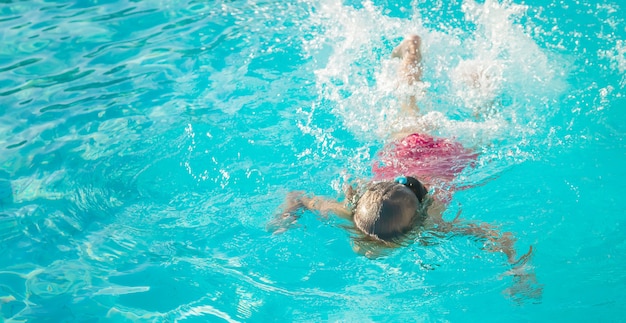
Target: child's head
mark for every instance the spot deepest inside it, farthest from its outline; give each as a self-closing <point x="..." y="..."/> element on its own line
<point x="388" y="210"/>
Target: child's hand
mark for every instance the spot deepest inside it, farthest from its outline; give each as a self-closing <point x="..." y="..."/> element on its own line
<point x="282" y="222"/>
<point x="525" y="286"/>
<point x="289" y="215"/>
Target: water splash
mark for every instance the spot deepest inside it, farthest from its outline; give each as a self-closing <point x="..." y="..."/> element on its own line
<point x="486" y="83"/>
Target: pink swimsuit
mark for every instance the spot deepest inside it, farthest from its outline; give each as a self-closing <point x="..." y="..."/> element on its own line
<point x="423" y="156"/>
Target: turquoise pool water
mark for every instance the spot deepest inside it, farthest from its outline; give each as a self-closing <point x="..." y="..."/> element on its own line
<point x="145" y="145"/>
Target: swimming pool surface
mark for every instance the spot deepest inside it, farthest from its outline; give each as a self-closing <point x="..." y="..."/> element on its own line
<point x="145" y="146"/>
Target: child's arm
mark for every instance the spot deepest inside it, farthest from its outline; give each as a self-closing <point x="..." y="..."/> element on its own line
<point x="495" y="241"/>
<point x="323" y="205"/>
<point x="525" y="285"/>
<point x="297" y="201"/>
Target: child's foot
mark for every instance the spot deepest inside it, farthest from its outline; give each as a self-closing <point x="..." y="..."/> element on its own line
<point x="410" y="71"/>
<point x="411" y="55"/>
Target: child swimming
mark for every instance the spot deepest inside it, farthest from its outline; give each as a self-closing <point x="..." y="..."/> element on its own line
<point x="410" y="188"/>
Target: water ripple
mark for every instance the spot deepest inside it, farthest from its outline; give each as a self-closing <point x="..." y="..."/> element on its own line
<point x="25" y="62"/>
<point x="144" y="145"/>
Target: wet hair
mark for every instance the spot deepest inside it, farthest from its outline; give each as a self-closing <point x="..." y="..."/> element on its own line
<point x="388" y="210"/>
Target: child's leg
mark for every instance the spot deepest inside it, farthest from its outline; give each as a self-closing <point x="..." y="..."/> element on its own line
<point x="410" y="71"/>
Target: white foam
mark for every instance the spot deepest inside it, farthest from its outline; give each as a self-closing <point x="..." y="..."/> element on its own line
<point x="617" y="57"/>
